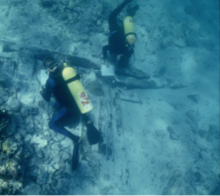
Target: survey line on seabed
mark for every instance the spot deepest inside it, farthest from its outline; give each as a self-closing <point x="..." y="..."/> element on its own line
<point x="104" y="113"/>
<point x="109" y="161"/>
<point x="121" y="167"/>
<point x="126" y="167"/>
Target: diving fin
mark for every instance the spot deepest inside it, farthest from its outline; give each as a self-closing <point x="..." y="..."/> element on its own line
<point x="94" y="136"/>
<point x="75" y="158"/>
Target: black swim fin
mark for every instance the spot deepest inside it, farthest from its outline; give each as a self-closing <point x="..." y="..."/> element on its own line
<point x="94" y="136"/>
<point x="75" y="158"/>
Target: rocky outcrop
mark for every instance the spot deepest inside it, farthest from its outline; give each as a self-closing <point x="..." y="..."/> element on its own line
<point x="11" y="158"/>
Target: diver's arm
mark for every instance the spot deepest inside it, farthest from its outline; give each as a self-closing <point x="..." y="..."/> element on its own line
<point x="46" y="91"/>
<point x="120" y="8"/>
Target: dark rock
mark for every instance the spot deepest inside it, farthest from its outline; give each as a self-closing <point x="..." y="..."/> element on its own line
<point x="170" y="129"/>
<point x="195" y="97"/>
<point x="46" y="3"/>
<point x="192" y="115"/>
<point x="202" y="133"/>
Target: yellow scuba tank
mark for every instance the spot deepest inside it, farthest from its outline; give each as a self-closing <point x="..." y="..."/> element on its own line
<point x="77" y="90"/>
<point x="129" y="30"/>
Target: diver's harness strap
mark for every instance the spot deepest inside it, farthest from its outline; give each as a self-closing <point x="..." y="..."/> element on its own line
<point x="77" y="77"/>
<point x="131" y="34"/>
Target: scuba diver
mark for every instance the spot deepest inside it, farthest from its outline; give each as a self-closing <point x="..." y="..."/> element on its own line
<point x="72" y="100"/>
<point x="121" y="40"/>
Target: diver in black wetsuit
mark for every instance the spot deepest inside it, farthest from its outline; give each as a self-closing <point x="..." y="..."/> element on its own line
<point x="57" y="86"/>
<point x="118" y="46"/>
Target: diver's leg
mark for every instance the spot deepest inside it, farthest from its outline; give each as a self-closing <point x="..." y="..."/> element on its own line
<point x="112" y="20"/>
<point x="54" y="124"/>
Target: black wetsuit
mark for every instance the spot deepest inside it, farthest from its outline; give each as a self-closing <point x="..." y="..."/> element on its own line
<point x="67" y="107"/>
<point x="117" y="44"/>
